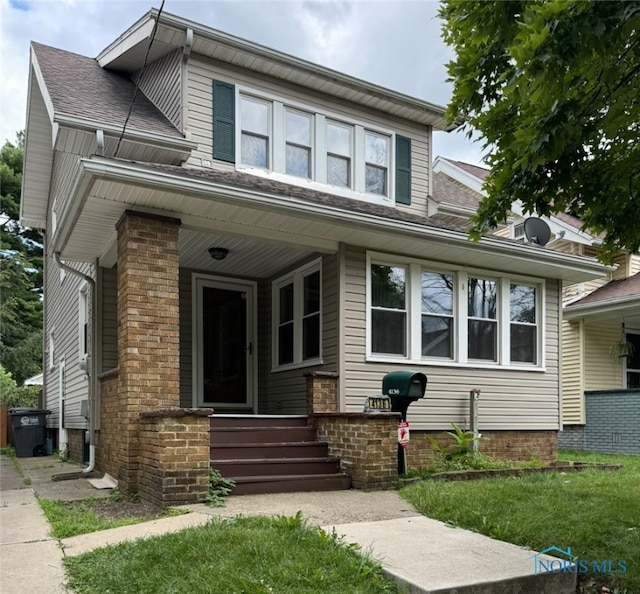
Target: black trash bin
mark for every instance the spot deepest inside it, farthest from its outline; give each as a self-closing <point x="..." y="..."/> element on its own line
<point x="29" y="431"/>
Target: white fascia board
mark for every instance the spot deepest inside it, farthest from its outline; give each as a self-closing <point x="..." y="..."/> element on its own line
<point x="472" y="182"/>
<point x="610" y="308"/>
<point x="138" y="32"/>
<point x="41" y="84"/>
<point x="100" y="167"/>
<point x="131" y="134"/>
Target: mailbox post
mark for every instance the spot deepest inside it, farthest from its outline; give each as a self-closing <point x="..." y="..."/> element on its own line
<point x="403" y="387"/>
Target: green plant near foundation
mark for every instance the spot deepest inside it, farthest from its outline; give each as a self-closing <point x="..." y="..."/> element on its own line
<point x="462" y="445"/>
<point x="219" y="489"/>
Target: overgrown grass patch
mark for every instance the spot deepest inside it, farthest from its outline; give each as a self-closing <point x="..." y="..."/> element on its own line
<point x="595" y="512"/>
<point x="70" y="518"/>
<point x="242" y="555"/>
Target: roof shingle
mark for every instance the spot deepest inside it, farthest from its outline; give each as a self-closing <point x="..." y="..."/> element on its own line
<point x="617" y="289"/>
<point x="79" y="87"/>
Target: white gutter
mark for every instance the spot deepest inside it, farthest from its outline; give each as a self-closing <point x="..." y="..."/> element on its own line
<point x="93" y="361"/>
<point x="617" y="307"/>
<point x="133" y="173"/>
<point x="148" y="138"/>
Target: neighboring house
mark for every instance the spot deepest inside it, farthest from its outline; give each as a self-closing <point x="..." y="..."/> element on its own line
<point x="601" y="322"/>
<point x="259" y="218"/>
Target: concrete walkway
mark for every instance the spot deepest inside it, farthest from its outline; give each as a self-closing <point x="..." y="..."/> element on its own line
<point x="423" y="555"/>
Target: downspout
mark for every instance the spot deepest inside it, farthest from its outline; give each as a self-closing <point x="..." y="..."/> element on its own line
<point x="92" y="367"/>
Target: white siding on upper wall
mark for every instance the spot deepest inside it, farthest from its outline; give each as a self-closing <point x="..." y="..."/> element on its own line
<point x="510" y="399"/>
<point x="161" y="84"/>
<point x="202" y="71"/>
<point x="602" y="370"/>
<point x="572" y="373"/>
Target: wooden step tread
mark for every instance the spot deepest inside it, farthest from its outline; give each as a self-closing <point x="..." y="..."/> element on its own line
<point x="284" y="477"/>
<point x="276" y="460"/>
<point x="267" y="444"/>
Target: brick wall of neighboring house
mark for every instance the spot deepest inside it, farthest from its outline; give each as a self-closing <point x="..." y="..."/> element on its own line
<point x="504" y="445"/>
<point x="367" y="445"/>
<point x="572" y="437"/>
<point x="174" y="456"/>
<point x="612" y="421"/>
<point x="148" y="331"/>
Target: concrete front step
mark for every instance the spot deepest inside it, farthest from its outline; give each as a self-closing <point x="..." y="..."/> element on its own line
<point x="228" y="435"/>
<point x="250" y="451"/>
<point x="251" y="485"/>
<point x="276" y="466"/>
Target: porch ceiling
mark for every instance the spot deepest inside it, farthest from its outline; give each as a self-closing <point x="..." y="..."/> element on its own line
<point x="267" y="231"/>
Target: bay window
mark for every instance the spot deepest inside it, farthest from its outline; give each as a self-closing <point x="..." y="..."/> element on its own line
<point x="420" y="312"/>
<point x="254" y="141"/>
<point x="339" y="154"/>
<point x="298" y="143"/>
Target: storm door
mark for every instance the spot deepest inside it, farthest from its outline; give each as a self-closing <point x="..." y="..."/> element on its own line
<point x="225" y="345"/>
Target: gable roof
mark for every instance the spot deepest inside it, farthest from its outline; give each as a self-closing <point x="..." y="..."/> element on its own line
<point x="97" y="95"/>
<point x="447" y="191"/>
<point x="615" y="299"/>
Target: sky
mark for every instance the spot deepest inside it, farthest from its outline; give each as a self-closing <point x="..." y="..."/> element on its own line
<point x="395" y="44"/>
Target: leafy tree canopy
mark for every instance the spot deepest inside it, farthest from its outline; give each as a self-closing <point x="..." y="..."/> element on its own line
<point x="20" y="274"/>
<point x="553" y="87"/>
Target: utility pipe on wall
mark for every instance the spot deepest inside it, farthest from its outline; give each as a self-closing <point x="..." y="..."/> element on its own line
<point x="92" y="367"/>
<point x="474" y="397"/>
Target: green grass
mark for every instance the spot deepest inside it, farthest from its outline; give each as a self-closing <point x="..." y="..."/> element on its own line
<point x="242" y="555"/>
<point x="595" y="512"/>
<point x="73" y="518"/>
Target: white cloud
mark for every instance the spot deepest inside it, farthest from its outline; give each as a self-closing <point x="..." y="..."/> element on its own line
<point x="395" y="44"/>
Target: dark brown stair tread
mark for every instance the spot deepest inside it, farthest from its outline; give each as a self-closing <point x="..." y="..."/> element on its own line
<point x="276" y="460"/>
<point x="266" y="444"/>
<point x="284" y="477"/>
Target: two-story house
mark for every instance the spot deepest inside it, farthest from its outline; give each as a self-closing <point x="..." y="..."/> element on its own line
<point x="228" y="227"/>
<point x="601" y="320"/>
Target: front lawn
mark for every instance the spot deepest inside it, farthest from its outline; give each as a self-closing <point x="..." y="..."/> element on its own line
<point x="242" y="555"/>
<point x="595" y="512"/>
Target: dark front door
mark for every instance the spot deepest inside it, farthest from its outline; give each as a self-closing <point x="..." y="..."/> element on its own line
<point x="225" y="352"/>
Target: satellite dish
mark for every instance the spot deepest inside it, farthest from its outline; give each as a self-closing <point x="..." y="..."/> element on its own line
<point x="536" y="231"/>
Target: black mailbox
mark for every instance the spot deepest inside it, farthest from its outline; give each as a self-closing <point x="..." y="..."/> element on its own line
<point x="403" y="387"/>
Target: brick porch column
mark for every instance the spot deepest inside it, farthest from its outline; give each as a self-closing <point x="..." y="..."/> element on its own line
<point x="148" y="328"/>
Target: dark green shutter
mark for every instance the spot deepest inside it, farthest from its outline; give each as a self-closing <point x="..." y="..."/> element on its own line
<point x="224" y="115"/>
<point x="403" y="170"/>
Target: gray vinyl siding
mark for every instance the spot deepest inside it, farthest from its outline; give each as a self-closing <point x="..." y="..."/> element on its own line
<point x="201" y="72"/>
<point x="510" y="399"/>
<point x="572" y="373"/>
<point x="62" y="317"/>
<point x="161" y="84"/>
<point x="286" y="390"/>
<point x="109" y="318"/>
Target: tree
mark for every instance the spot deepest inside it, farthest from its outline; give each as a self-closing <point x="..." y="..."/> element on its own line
<point x="20" y="274"/>
<point x="553" y="87"/>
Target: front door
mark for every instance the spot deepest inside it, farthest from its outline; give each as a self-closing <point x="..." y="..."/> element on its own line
<point x="225" y="344"/>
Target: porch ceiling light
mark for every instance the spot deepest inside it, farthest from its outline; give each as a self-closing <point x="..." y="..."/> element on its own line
<point x="218" y="253"/>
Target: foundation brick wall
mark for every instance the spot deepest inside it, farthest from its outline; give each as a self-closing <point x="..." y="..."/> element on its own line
<point x="367" y="445"/>
<point x="174" y="456"/>
<point x="75" y="445"/>
<point x="109" y="450"/>
<point x="504" y="445"/>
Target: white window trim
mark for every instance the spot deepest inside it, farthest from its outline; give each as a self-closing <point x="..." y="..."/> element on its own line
<point x="297" y="278"/>
<point x="461" y="274"/>
<point x="277" y="144"/>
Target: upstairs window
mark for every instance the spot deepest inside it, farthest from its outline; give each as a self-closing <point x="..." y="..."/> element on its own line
<point x="268" y="136"/>
<point x="298" y="143"/>
<point x="339" y="148"/>
<point x="376" y="155"/>
<point x="254" y="142"/>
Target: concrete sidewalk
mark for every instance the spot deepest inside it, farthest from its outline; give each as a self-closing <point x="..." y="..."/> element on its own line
<point x="423" y="555"/>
